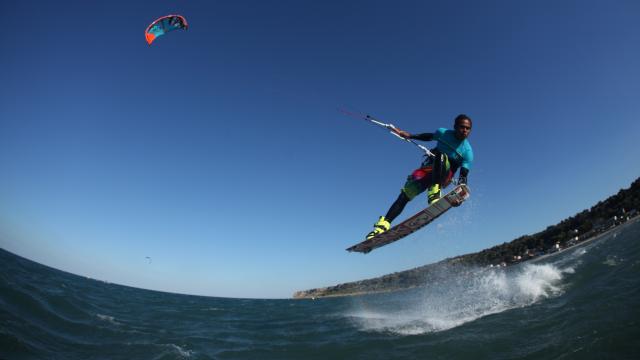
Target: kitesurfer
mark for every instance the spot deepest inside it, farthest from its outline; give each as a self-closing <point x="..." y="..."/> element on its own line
<point x="452" y="152"/>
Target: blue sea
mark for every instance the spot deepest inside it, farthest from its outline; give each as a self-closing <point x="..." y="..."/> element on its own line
<point x="582" y="303"/>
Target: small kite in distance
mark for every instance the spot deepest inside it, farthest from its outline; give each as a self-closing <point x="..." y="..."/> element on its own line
<point x="164" y="25"/>
<point x="148" y="258"/>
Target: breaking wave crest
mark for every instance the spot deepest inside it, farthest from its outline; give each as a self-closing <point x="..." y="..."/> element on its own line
<point x="464" y="296"/>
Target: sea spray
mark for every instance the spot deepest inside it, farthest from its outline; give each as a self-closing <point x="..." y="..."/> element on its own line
<point x="464" y="295"/>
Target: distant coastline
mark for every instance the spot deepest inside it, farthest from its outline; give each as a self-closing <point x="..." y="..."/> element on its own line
<point x="633" y="220"/>
<point x="589" y="225"/>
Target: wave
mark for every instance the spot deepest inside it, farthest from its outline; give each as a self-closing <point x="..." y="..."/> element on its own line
<point x="465" y="296"/>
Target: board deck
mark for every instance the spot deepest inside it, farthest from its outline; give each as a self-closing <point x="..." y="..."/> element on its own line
<point x="423" y="217"/>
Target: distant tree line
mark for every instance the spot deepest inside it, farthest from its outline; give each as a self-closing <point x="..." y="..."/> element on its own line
<point x="582" y="226"/>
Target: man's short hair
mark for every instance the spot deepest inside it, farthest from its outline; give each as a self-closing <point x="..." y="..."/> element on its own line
<point x="462" y="117"/>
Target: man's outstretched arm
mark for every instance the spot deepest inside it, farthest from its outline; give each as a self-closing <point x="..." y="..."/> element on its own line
<point x="407" y="135"/>
<point x="422" y="137"/>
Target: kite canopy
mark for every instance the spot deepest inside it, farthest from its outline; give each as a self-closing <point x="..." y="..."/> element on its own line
<point x="164" y="25"/>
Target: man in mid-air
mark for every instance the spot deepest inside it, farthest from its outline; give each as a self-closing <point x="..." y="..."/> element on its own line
<point x="452" y="152"/>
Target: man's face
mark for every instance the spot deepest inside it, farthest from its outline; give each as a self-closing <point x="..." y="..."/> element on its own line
<point x="463" y="129"/>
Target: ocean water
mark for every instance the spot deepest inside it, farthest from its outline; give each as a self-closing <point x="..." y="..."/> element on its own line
<point x="583" y="303"/>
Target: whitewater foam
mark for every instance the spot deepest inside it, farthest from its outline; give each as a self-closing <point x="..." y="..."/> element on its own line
<point x="464" y="297"/>
<point x="537" y="281"/>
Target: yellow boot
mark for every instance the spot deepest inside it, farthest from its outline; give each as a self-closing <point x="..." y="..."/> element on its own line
<point x="433" y="194"/>
<point x="378" y="228"/>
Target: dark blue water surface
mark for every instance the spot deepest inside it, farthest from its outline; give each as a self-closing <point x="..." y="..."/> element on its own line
<point x="583" y="303"/>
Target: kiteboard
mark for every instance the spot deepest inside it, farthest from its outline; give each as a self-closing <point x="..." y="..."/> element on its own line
<point x="458" y="195"/>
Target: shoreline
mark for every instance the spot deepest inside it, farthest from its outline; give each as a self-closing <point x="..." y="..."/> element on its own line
<point x="333" y="291"/>
<point x="584" y="242"/>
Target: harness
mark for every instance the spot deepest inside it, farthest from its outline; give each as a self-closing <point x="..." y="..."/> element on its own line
<point x="439" y="164"/>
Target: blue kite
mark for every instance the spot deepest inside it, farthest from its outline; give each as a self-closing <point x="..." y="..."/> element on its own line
<point x="164" y="25"/>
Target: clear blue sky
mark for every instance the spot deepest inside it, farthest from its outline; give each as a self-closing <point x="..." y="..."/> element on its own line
<point x="219" y="153"/>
